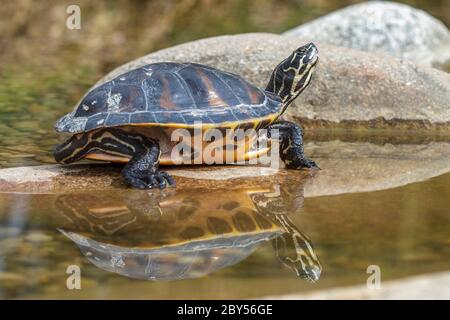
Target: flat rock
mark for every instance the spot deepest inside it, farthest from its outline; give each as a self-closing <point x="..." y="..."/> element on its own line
<point x="346" y="167"/>
<point x="350" y="167"/>
<point x="349" y="88"/>
<point x="382" y="27"/>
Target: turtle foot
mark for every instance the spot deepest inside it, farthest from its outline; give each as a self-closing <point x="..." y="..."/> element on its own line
<point x="160" y="179"/>
<point x="303" y="164"/>
<point x="152" y="180"/>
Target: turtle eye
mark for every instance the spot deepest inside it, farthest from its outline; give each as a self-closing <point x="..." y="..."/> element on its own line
<point x="302" y="50"/>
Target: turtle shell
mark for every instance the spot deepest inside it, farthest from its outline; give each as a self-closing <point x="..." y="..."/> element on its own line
<point x="174" y="95"/>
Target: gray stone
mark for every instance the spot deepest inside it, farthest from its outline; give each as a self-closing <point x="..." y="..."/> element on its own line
<point x="382" y="27"/>
<point x="349" y="88"/>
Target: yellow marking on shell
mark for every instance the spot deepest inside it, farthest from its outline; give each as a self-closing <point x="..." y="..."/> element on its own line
<point x="228" y="124"/>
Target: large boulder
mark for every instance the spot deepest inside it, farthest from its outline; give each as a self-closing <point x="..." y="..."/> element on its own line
<point x="382" y="27"/>
<point x="349" y="86"/>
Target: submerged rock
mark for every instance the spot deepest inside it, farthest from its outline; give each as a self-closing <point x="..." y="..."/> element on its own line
<point x="348" y="88"/>
<point x="382" y="27"/>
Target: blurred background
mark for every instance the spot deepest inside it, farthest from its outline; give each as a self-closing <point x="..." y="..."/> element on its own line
<point x="46" y="67"/>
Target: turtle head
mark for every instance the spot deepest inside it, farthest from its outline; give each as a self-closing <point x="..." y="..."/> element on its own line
<point x="295" y="250"/>
<point x="293" y="74"/>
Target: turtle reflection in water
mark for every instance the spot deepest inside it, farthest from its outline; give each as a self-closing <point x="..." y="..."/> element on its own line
<point x="167" y="236"/>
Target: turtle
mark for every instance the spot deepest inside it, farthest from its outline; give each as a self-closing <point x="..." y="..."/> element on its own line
<point x="132" y="118"/>
<point x="181" y="235"/>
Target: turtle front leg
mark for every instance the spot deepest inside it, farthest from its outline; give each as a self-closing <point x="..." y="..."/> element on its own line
<point x="290" y="137"/>
<point x="144" y="153"/>
<point x="142" y="170"/>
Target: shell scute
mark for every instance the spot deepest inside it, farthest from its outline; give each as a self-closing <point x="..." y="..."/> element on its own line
<point x="143" y="117"/>
<point x="96" y="121"/>
<point x="169" y="117"/>
<point x="115" y="118"/>
<point x="133" y="77"/>
<point x="94" y="103"/>
<point x="126" y="98"/>
<point x="245" y="93"/>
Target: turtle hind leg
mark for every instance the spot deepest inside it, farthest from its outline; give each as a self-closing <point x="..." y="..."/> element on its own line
<point x="290" y="136"/>
<point x="142" y="170"/>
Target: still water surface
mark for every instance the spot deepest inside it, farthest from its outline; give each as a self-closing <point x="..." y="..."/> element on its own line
<point x="219" y="243"/>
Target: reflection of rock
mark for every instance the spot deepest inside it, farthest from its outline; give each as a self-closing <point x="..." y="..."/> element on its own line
<point x="348" y="86"/>
<point x="392" y="28"/>
<point x="181" y="234"/>
<point x="346" y="167"/>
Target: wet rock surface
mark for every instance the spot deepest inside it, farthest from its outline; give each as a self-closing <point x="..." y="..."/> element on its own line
<point x="382" y="27"/>
<point x="362" y="166"/>
<point x="346" y="167"/>
<point x="349" y="88"/>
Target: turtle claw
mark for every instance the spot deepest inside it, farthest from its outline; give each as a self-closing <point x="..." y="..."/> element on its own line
<point x="159" y="179"/>
<point x="310" y="164"/>
<point x="168" y="178"/>
<point x="303" y="164"/>
<point x="153" y="180"/>
<point x="135" y="182"/>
